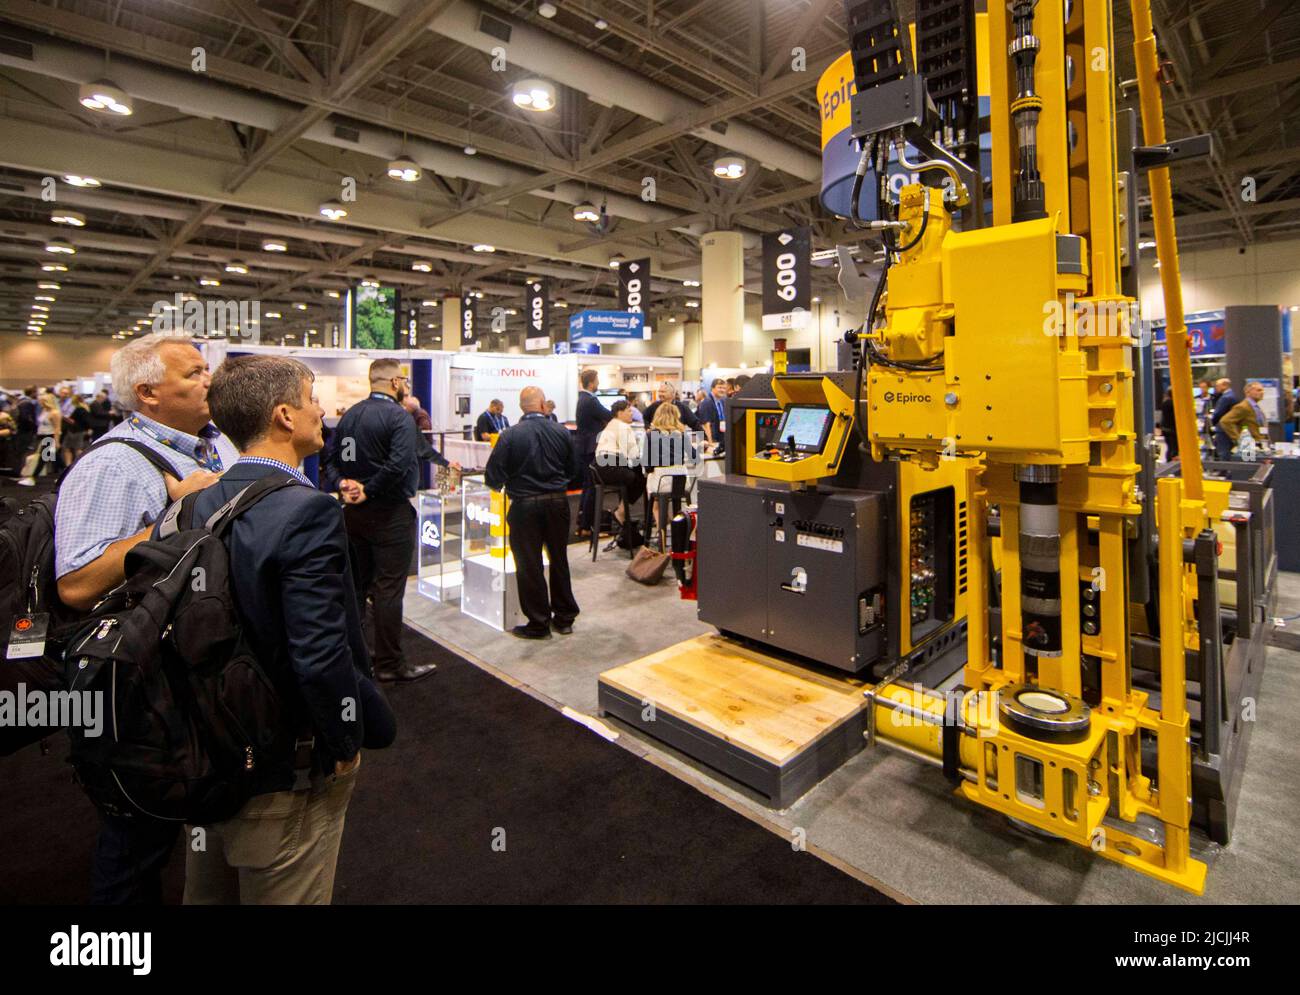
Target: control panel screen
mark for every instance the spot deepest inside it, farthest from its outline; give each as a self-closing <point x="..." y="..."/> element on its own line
<point x="809" y="424"/>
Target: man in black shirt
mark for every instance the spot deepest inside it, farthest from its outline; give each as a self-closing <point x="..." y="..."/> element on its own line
<point x="534" y="462"/>
<point x="591" y="418"/>
<point x="491" y="422"/>
<point x="372" y="460"/>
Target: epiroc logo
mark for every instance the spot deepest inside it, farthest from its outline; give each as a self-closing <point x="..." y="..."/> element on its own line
<point x="891" y="397"/>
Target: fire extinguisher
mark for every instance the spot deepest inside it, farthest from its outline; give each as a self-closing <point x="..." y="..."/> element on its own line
<point x="684" y="554"/>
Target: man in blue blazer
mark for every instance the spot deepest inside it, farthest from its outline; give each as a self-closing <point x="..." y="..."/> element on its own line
<point x="591" y="417"/>
<point x="292" y="585"/>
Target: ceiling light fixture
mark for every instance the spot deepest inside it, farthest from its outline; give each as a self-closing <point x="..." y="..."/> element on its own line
<point x="404" y="168"/>
<point x="80" y="181"/>
<point x="58" y="245"/>
<point x="272" y="314"/>
<point x="692" y="303"/>
<point x="53" y="267"/>
<point x="107" y="98"/>
<point x="208" y="281"/>
<point x="422" y="266"/>
<point x="274" y="245"/>
<point x="470" y="150"/>
<point x="729" y="167"/>
<point x="74" y="218"/>
<point x="586" y="211"/>
<point x="332" y="294"/>
<point x="534" y="95"/>
<point x="370" y="281"/>
<point x="561" y="303"/>
<point x="236" y="266"/>
<point x="44" y="297"/>
<point x="300" y="307"/>
<point x="484" y="247"/>
<point x="547" y="9"/>
<point x="333" y="210"/>
<point x="615" y="259"/>
<point x="690" y="283"/>
<point x="601" y="24"/>
<point x="428" y="303"/>
<point x="47" y="285"/>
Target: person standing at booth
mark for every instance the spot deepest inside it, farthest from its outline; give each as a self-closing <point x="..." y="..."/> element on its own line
<point x="712" y="414"/>
<point x="373" y="461"/>
<point x="1246" y="416"/>
<point x="491" y="422"/>
<point x="591" y="417"/>
<point x="534" y="462"/>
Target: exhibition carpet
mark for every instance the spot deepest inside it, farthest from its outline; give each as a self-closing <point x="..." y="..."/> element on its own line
<point x="487" y="796"/>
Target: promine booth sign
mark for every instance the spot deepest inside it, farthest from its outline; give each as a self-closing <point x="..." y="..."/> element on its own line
<point x="537" y="308"/>
<point x="634" y="285"/>
<point x="468" y="319"/>
<point x="787" y="278"/>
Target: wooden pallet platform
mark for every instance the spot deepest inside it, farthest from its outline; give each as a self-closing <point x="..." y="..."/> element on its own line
<point x="772" y="726"/>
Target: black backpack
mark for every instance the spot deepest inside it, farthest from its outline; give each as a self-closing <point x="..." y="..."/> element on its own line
<point x="28" y="585"/>
<point x="189" y="715"/>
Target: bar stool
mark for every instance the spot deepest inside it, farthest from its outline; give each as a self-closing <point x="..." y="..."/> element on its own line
<point x="626" y="499"/>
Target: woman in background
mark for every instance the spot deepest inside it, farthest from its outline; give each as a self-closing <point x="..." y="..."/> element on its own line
<point x="49" y="427"/>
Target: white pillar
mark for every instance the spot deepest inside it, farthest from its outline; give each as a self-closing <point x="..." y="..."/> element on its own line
<point x="450" y="323"/>
<point x="723" y="318"/>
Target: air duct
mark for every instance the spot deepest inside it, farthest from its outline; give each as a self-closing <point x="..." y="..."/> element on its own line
<point x="605" y="82"/>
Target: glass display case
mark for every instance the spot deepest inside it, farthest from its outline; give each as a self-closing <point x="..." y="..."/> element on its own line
<point x="440" y="574"/>
<point x="490" y="592"/>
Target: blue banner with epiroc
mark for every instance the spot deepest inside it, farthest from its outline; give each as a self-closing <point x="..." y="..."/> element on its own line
<point x="607" y="326"/>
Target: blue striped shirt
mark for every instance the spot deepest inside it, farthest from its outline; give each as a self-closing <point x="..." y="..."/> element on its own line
<point x="113" y="492"/>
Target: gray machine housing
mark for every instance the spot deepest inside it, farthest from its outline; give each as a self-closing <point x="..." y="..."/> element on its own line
<point x="795" y="569"/>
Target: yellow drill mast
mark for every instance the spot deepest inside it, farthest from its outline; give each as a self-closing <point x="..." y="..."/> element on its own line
<point x="1013" y="344"/>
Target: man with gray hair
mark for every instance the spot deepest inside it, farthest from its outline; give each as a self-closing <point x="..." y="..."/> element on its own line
<point x="108" y="503"/>
<point x="667" y="394"/>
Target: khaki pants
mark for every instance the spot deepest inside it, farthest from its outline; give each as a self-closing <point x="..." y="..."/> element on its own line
<point x="281" y="849"/>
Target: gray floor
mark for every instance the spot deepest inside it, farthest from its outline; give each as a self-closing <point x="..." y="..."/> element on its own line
<point x="888" y="817"/>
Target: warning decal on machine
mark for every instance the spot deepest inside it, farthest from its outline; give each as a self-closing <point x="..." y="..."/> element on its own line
<point x="821" y="542"/>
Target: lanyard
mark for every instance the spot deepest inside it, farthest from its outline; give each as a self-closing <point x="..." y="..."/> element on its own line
<point x="205" y="455"/>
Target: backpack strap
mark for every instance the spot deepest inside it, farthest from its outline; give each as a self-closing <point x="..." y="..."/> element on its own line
<point x="220" y="520"/>
<point x="156" y="459"/>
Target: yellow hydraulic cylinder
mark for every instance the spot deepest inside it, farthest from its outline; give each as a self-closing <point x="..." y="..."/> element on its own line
<point x="1162" y="213"/>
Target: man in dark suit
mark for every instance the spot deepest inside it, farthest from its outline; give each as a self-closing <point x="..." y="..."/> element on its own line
<point x="491" y="422"/>
<point x="1223" y="403"/>
<point x="293" y="590"/>
<point x="373" y="462"/>
<point x="591" y="418"/>
<point x="712" y="413"/>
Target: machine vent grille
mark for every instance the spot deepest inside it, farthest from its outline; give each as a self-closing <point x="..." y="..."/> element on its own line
<point x="346" y="133"/>
<point x="494" y="26"/>
<point x="961" y="547"/>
